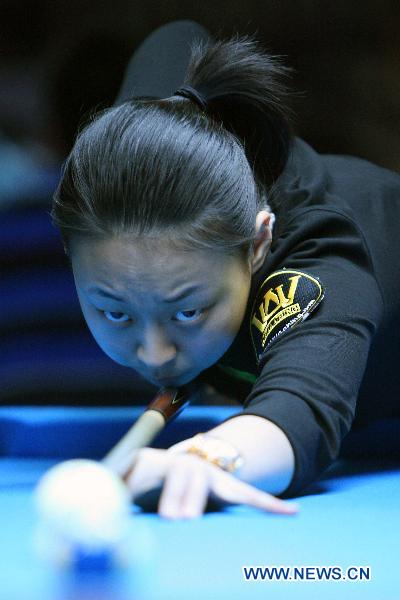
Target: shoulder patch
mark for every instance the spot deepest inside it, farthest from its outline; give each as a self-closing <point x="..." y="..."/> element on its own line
<point x="284" y="300"/>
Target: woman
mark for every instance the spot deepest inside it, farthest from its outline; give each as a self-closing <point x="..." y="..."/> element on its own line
<point x="209" y="244"/>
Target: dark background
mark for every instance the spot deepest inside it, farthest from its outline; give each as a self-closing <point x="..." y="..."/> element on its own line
<point x="61" y="59"/>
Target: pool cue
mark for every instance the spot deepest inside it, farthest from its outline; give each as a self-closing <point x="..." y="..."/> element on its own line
<point x="167" y="403"/>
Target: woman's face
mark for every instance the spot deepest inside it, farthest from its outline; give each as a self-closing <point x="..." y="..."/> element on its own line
<point x="166" y="313"/>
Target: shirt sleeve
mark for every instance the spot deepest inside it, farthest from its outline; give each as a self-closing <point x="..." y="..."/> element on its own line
<point x="311" y="374"/>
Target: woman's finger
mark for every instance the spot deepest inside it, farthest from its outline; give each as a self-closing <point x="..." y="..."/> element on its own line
<point x="186" y="488"/>
<point x="229" y="489"/>
<point x="147" y="471"/>
<point x="195" y="499"/>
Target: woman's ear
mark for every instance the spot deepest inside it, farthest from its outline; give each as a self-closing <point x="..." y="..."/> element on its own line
<point x="263" y="239"/>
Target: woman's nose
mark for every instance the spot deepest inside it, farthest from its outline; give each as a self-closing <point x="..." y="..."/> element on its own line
<point x="155" y="351"/>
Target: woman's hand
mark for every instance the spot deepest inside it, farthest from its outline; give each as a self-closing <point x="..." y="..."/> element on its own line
<point x="188" y="481"/>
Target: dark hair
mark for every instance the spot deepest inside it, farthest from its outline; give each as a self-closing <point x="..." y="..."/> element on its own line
<point x="164" y="165"/>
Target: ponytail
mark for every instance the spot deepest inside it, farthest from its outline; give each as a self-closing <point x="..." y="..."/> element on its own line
<point x="242" y="87"/>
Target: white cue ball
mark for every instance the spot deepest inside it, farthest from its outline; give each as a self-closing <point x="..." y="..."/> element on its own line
<point x="83" y="507"/>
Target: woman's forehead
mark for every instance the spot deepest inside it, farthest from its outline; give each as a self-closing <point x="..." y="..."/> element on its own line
<point x="145" y="265"/>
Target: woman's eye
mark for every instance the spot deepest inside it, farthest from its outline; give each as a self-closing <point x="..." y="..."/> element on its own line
<point x="116" y="317"/>
<point x="185" y="316"/>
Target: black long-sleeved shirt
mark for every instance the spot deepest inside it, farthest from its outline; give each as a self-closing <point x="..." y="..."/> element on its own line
<point x="337" y="240"/>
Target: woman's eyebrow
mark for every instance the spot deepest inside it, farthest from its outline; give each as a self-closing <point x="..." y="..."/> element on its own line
<point x="104" y="293"/>
<point x="183" y="294"/>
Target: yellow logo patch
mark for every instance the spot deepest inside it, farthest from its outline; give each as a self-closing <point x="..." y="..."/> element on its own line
<point x="285" y="299"/>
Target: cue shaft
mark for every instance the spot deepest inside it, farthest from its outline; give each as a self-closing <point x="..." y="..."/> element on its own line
<point x="141" y="434"/>
<point x="167" y="403"/>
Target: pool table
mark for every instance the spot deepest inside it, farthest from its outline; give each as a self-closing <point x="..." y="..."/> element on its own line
<point x="349" y="518"/>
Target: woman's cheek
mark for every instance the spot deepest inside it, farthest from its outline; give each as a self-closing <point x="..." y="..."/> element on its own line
<point x="224" y="324"/>
<point x="116" y="351"/>
<point x="100" y="330"/>
<point x="212" y="344"/>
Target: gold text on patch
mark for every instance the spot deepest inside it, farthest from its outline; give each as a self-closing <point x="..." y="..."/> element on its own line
<point x="273" y="302"/>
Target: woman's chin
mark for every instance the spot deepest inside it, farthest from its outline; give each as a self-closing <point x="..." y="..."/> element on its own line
<point x="173" y="381"/>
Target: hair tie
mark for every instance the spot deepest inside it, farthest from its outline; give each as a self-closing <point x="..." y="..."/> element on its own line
<point x="187" y="91"/>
